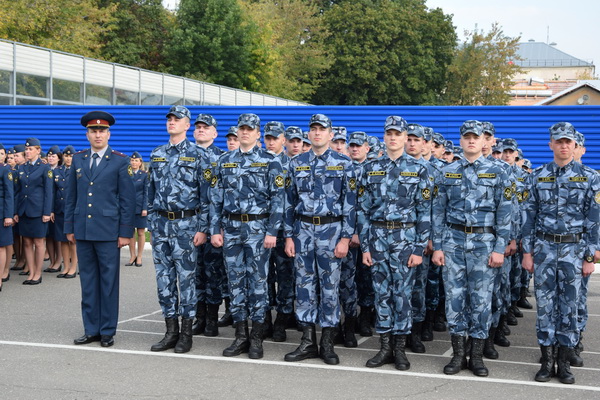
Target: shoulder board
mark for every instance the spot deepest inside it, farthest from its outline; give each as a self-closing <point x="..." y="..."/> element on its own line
<point x="334" y="168"/>
<point x="81" y="151"/>
<point x="118" y="153"/>
<point x="452" y="176"/>
<point x="578" y="179"/>
<point x="158" y="159"/>
<point x="377" y="173"/>
<point x="413" y="174"/>
<point x="488" y="176"/>
<point x="547" y="179"/>
<point x="230" y="165"/>
<point x="258" y="164"/>
<point x="188" y="159"/>
<point x="303" y="168"/>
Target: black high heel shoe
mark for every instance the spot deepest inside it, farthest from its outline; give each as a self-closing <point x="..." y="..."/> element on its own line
<point x="6" y="279"/>
<point x="136" y="263"/>
<point x="130" y="263"/>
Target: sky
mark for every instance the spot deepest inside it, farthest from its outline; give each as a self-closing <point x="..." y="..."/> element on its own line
<point x="572" y="25"/>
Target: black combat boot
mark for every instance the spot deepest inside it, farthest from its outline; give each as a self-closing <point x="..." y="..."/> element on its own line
<point x="416" y="345"/>
<point x="459" y="356"/>
<point x="200" y="322"/>
<point x="500" y="338"/>
<point x="476" y="360"/>
<point x="327" y="352"/>
<point x="400" y="360"/>
<point x="439" y="319"/>
<point x="546" y="371"/>
<point x="523" y="302"/>
<point x="256" y="341"/>
<point x="212" y="319"/>
<point x="281" y="323"/>
<point x="241" y="344"/>
<point x="489" y="351"/>
<point x="515" y="310"/>
<point x="268" y="328"/>
<point x="385" y="354"/>
<point x="171" y="337"/>
<point x="308" y="346"/>
<point x="427" y="331"/>
<point x="349" y="335"/>
<point x="184" y="344"/>
<point x="511" y="319"/>
<point x="364" y="321"/>
<point x="563" y="370"/>
<point x="227" y="318"/>
<point x="575" y="357"/>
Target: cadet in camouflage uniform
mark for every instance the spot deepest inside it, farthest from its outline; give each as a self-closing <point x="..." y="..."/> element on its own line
<point x="471" y="226"/>
<point x="560" y="237"/>
<point x="319" y="223"/>
<point x="178" y="220"/>
<point x="211" y="278"/>
<point x="394" y="221"/>
<point x="247" y="206"/>
<point x="293" y="141"/>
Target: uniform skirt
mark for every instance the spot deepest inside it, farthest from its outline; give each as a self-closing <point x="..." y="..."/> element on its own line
<point x="59" y="228"/>
<point x="6" y="235"/>
<point x="139" y="222"/>
<point x="32" y="227"/>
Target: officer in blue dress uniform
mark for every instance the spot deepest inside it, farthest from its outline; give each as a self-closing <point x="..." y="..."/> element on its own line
<point x="99" y="209"/>
<point x="140" y="183"/>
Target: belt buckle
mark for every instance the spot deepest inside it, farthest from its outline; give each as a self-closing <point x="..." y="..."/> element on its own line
<point x="389" y="224"/>
<point x="559" y="238"/>
<point x="316" y="220"/>
<point x="170" y="215"/>
<point x="468" y="229"/>
<point x="245" y="218"/>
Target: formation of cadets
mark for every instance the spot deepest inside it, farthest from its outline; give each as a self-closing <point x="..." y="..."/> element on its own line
<point x="342" y="231"/>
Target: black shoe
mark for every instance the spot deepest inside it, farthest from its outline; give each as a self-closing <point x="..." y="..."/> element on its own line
<point x="267" y="329"/>
<point x="503" y="325"/>
<point x="200" y="323"/>
<point x="85" y="339"/>
<point x="53" y="269"/>
<point x="515" y="310"/>
<point x="546" y="371"/>
<point x="22" y="273"/>
<point x="212" y="316"/>
<point x="137" y="264"/>
<point x="459" y="356"/>
<point x="439" y="322"/>
<point x="327" y="352"/>
<point x="511" y="319"/>
<point x="523" y="302"/>
<point x="489" y="351"/>
<point x="255" y="351"/>
<point x="427" y="331"/>
<point x="400" y="361"/>
<point x="70" y="276"/>
<point x="15" y="268"/>
<point x="416" y="346"/>
<point x="184" y="344"/>
<point x="129" y="264"/>
<point x="61" y="275"/>
<point x="26" y="282"/>
<point x="282" y="321"/>
<point x="385" y="354"/>
<point x="107" y="340"/>
<point x="575" y="359"/>
<point x="241" y="344"/>
<point x="308" y="346"/>
<point x="349" y="335"/>
<point x="35" y="281"/>
<point x="499" y="337"/>
<point x="476" y="360"/>
<point x="364" y="322"/>
<point x="227" y="318"/>
<point x="171" y="337"/>
<point x="563" y="370"/>
<point x="6" y="279"/>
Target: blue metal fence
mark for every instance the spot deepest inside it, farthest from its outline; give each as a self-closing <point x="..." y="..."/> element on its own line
<point x="142" y="128"/>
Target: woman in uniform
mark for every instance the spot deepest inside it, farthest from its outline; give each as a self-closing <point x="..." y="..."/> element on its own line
<point x="34" y="208"/>
<point x="20" y="265"/>
<point x="54" y="158"/>
<point x="6" y="214"/>
<point x="69" y="252"/>
<point x="140" y="181"/>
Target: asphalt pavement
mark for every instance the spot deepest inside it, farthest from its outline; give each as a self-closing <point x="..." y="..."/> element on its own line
<point x="39" y="361"/>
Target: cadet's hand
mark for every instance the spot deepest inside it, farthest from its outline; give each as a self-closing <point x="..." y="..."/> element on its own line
<point x="144" y="213"/>
<point x="199" y="238"/>
<point x="123" y="242"/>
<point x="216" y="240"/>
<point x="414" y="260"/>
<point x="71" y="237"/>
<point x="527" y="262"/>
<point x="270" y="241"/>
<point x="511" y="248"/>
<point x="16" y="218"/>
<point x="8" y="221"/>
<point x="52" y="217"/>
<point x="354" y="241"/>
<point x="438" y="258"/>
<point x="588" y="268"/>
<point x="597" y="256"/>
<point x="45" y="218"/>
<point x="367" y="260"/>
<point x="496" y="260"/>
<point x="428" y="248"/>
<point x="341" y="249"/>
<point x="290" y="247"/>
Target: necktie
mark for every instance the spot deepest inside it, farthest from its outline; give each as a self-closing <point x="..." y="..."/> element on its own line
<point x="94" y="162"/>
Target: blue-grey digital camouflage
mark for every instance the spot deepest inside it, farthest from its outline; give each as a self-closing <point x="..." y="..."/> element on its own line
<point x="274" y="128"/>
<point x="415" y="130"/>
<point x="250" y="120"/>
<point x="580" y="139"/>
<point x="509" y="144"/>
<point x="207" y="119"/>
<point x="179" y="112"/>
<point x="232" y="131"/>
<point x="488" y="127"/>
<point x="320" y="119"/>
<point x="358" y="138"/>
<point x="449" y="146"/>
<point x="458" y="152"/>
<point x="293" y="132"/>
<point x="395" y="122"/>
<point x="527" y="163"/>
<point x="339" y="133"/>
<point x="427" y="133"/>
<point x="305" y="138"/>
<point x="497" y="148"/>
<point x="471" y="126"/>
<point x="438" y="138"/>
<point x="519" y="154"/>
<point x="562" y="130"/>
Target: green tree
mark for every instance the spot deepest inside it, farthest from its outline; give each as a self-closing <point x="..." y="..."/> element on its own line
<point x="482" y="68"/>
<point x="138" y="33"/>
<point x="214" y="41"/>
<point x="72" y="26"/>
<point x="293" y="34"/>
<point x="386" y="52"/>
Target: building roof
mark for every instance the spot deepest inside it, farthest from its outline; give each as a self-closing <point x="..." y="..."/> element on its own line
<point x="594" y="84"/>
<point x="540" y="55"/>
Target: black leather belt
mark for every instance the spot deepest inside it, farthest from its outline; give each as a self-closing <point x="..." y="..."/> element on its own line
<point x="393" y="224"/>
<point x="549" y="237"/>
<point x="320" y="220"/>
<point x="472" y="229"/>
<point x="172" y="215"/>
<point x="247" y="217"/>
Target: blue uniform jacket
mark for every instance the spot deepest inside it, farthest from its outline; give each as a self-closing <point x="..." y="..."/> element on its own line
<point x="140" y="183"/>
<point x="7" y="191"/>
<point x="33" y="197"/>
<point x="60" y="183"/>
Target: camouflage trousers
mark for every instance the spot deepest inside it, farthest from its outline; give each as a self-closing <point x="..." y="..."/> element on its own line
<point x="317" y="273"/>
<point x="393" y="280"/>
<point x="515" y="276"/>
<point x="175" y="258"/>
<point x="582" y="310"/>
<point x="210" y="274"/>
<point x="281" y="279"/>
<point x="468" y="281"/>
<point x="419" y="306"/>
<point x="434" y="292"/>
<point x="557" y="281"/>
<point x="364" y="283"/>
<point x="501" y="294"/>
<point x="348" y="292"/>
